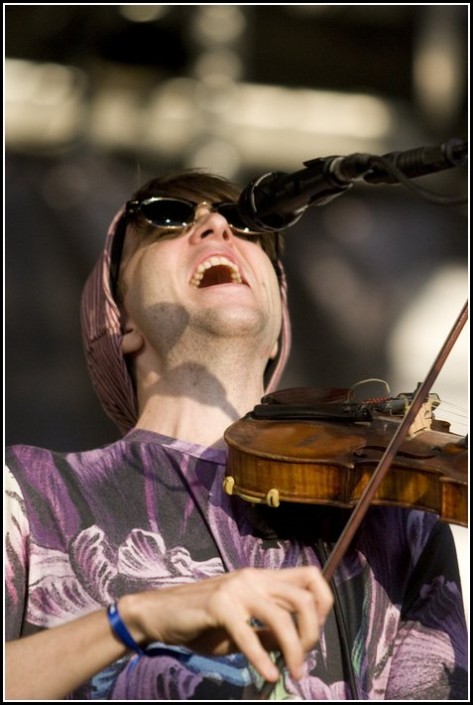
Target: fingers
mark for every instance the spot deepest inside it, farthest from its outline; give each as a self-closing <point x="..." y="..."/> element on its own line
<point x="248" y="642"/>
<point x="311" y="579"/>
<point x="302" y="592"/>
<point x="213" y="615"/>
<point x="280" y="632"/>
<point x="292" y="604"/>
<point x="304" y="577"/>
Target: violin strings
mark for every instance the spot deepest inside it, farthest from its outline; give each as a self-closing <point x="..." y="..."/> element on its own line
<point x="454" y="412"/>
<point x="456" y="409"/>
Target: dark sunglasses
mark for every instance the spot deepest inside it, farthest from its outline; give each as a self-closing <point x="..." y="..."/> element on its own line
<point x="175" y="214"/>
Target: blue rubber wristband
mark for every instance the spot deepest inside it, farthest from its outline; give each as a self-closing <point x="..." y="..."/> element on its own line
<point x="119" y="629"/>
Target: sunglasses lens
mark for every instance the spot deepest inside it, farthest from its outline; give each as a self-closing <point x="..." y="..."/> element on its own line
<point x="168" y="213"/>
<point x="231" y="213"/>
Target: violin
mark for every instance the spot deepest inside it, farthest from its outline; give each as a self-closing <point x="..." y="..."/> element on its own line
<point x="440" y="488"/>
<point x="314" y="446"/>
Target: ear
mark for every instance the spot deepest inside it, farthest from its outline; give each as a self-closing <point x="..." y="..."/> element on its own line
<point x="274" y="351"/>
<point x="132" y="340"/>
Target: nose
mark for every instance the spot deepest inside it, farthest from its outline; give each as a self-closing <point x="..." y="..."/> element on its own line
<point x="209" y="224"/>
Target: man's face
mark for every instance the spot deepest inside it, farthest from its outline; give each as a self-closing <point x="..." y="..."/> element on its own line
<point x="204" y="281"/>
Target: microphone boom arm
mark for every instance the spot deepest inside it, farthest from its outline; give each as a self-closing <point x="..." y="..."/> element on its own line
<point x="275" y="200"/>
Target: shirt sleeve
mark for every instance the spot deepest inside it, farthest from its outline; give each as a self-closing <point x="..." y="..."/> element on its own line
<point x="16" y="541"/>
<point x="430" y="649"/>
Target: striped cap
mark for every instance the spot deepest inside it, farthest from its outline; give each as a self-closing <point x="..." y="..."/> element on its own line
<point x="102" y="336"/>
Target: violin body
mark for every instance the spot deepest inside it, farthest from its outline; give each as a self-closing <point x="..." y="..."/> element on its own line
<point x="330" y="460"/>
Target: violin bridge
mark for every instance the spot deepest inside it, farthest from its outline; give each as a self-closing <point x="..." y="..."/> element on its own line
<point x="423" y="420"/>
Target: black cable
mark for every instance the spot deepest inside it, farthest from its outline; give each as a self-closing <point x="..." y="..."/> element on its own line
<point x="426" y="195"/>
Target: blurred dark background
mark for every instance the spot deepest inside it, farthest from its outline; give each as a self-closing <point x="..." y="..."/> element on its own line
<point x="100" y="98"/>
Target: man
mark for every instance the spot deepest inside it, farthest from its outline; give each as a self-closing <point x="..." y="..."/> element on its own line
<point x="135" y="547"/>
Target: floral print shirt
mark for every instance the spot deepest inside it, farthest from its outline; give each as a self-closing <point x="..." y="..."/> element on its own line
<point x="83" y="529"/>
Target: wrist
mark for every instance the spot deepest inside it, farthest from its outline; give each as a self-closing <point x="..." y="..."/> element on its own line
<point x="131" y="610"/>
<point x="122" y="624"/>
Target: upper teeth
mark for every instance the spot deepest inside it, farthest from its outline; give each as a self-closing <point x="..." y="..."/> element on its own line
<point x="213" y="262"/>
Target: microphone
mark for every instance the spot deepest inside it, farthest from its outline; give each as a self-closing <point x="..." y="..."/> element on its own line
<point x="277" y="200"/>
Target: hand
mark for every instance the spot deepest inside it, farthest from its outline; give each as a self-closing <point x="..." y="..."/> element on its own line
<point x="213" y="616"/>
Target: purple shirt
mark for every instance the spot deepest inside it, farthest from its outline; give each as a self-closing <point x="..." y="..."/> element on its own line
<point x="83" y="529"/>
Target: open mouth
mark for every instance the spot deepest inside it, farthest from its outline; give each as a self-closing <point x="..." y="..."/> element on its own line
<point x="216" y="270"/>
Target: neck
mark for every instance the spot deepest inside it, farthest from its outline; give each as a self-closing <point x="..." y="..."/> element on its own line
<point x="196" y="402"/>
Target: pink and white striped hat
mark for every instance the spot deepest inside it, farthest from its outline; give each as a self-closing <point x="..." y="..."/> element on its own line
<point x="102" y="336"/>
